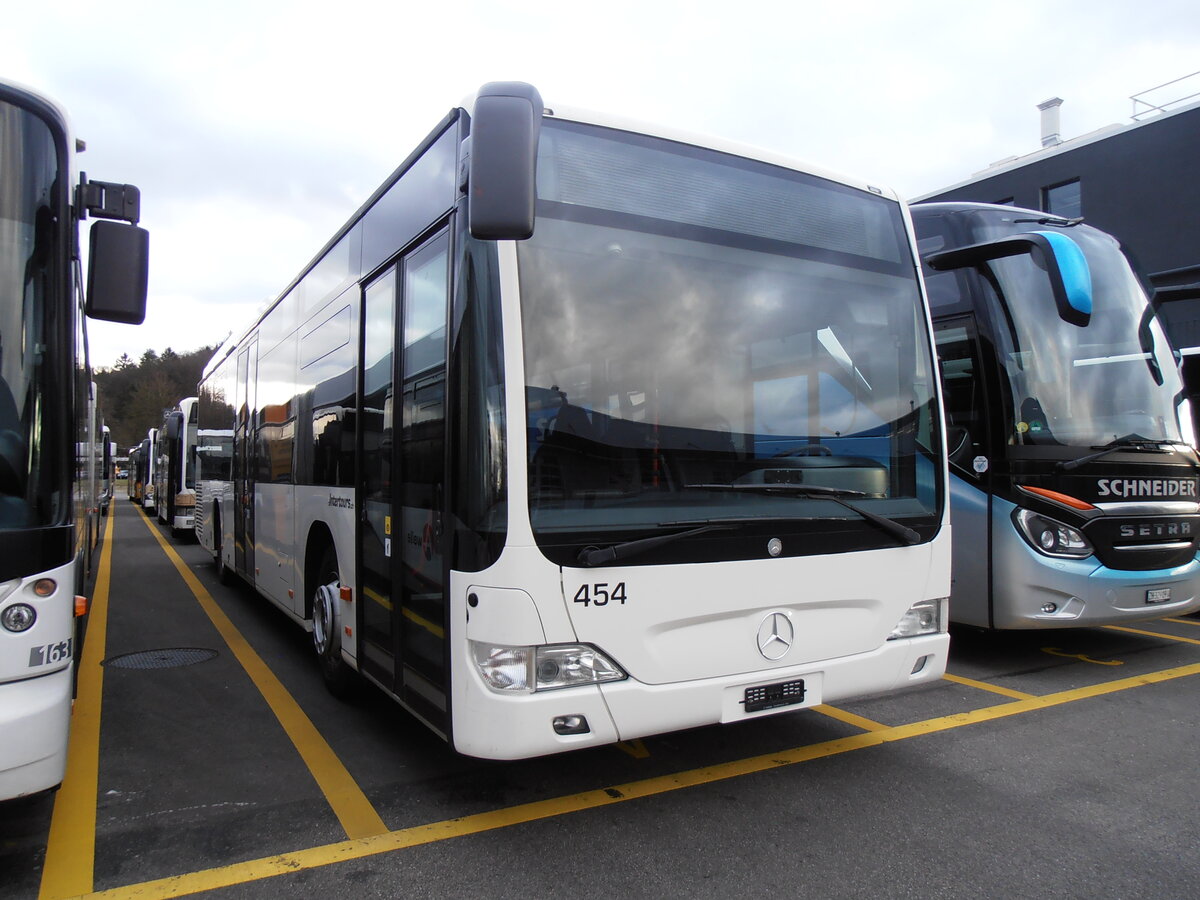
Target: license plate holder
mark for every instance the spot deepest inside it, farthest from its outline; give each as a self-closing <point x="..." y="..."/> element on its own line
<point x="1158" y="595"/>
<point x="771" y="696"/>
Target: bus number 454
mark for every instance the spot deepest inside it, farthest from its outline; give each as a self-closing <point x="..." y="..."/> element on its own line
<point x="600" y="594"/>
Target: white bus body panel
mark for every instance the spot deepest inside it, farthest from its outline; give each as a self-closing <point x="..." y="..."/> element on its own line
<point x="275" y="543"/>
<point x="35" y="715"/>
<point x="687" y="636"/>
<point x="36" y="686"/>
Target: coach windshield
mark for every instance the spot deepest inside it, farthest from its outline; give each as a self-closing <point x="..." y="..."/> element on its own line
<point x="30" y="236"/>
<point x="707" y="338"/>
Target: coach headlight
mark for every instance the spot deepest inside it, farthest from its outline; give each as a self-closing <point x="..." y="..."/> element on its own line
<point x="18" y="617"/>
<point x="1051" y="537"/>
<point x="545" y="668"/>
<point x="923" y="617"/>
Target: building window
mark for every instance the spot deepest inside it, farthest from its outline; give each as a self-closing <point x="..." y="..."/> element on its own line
<point x="1063" y="199"/>
<point x="1007" y="201"/>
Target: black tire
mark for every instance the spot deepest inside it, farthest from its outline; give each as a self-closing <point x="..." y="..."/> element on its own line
<point x="327" y="627"/>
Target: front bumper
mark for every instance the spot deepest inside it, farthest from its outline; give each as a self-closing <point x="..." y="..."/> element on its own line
<point x="496" y="726"/>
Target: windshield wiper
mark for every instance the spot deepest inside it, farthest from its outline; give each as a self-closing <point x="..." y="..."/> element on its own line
<point x="598" y="556"/>
<point x="1050" y="220"/>
<point x="1128" y="442"/>
<point x="820" y="492"/>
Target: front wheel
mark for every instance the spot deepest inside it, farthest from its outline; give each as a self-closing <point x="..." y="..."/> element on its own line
<point x="327" y="627"/>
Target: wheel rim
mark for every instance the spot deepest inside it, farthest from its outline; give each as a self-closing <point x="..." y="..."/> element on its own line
<point x="323" y="617"/>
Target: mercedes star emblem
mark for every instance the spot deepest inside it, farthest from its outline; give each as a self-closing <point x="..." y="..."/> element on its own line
<point x="775" y="636"/>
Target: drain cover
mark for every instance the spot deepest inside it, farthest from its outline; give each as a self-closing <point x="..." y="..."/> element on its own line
<point x="168" y="658"/>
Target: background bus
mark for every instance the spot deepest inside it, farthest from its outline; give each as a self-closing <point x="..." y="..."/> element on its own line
<point x="674" y="459"/>
<point x="133" y="475"/>
<point x="175" y="475"/>
<point x="108" y="469"/>
<point x="49" y="425"/>
<point x="147" y="470"/>
<point x="1073" y="477"/>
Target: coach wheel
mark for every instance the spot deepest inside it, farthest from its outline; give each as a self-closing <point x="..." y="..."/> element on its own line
<point x="327" y="627"/>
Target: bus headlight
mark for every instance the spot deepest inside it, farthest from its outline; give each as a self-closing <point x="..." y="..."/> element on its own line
<point x="1051" y="537"/>
<point x="544" y="668"/>
<point x="923" y="617"/>
<point x="18" y="617"/>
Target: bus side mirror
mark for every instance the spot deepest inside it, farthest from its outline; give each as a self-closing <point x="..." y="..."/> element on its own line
<point x="502" y="167"/>
<point x="118" y="272"/>
<point x="173" y="427"/>
<point x="1062" y="259"/>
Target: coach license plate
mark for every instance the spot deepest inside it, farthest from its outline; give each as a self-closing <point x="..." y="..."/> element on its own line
<point x="1159" y="595"/>
<point x="769" y="696"/>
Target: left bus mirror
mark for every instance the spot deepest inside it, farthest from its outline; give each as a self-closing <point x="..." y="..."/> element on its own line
<point x="1060" y="257"/>
<point x="118" y="272"/>
<point x="502" y="179"/>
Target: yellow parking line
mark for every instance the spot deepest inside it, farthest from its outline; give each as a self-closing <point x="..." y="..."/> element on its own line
<point x="349" y="803"/>
<point x="1195" y="622"/>
<point x="1156" y="634"/>
<point x="984" y="686"/>
<point x="290" y="863"/>
<point x="70" y="863"/>
<point x="849" y="718"/>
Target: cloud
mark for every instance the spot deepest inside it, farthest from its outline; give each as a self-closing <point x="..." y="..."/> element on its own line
<point x="255" y="129"/>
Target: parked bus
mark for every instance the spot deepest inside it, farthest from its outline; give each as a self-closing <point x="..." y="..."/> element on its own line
<point x="1073" y="477"/>
<point x="47" y="430"/>
<point x="175" y="477"/>
<point x="147" y="470"/>
<point x="108" y="469"/>
<point x="214" y="472"/>
<point x="673" y="457"/>
<point x="133" y="478"/>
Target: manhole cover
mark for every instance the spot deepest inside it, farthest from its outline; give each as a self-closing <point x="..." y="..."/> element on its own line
<point x="169" y="658"/>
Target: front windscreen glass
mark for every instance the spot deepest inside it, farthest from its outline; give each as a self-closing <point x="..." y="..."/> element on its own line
<point x="1088" y="385"/>
<point x="706" y="337"/>
<point x="29" y="230"/>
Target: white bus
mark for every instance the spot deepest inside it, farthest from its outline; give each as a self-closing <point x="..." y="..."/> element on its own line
<point x="147" y="474"/>
<point x="49" y="429"/>
<point x="175" y="473"/>
<point x="580" y="431"/>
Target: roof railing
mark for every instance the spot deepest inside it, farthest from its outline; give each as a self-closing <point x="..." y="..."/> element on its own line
<point x="1143" y="107"/>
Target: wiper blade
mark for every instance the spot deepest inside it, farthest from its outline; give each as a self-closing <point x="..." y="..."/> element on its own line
<point x="1050" y="220"/>
<point x="598" y="556"/>
<point x="1129" y="442"/>
<point x="820" y="492"/>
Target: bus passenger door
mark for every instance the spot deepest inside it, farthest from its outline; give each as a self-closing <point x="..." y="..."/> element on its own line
<point x="243" y="461"/>
<point x="404" y="472"/>
<point x="969" y="447"/>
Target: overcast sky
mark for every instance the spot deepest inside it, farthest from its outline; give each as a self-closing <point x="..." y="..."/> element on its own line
<point x="255" y="129"/>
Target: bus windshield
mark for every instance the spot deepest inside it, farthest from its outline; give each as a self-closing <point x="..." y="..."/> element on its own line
<point x="28" y="242"/>
<point x="1113" y="378"/>
<point x="695" y="321"/>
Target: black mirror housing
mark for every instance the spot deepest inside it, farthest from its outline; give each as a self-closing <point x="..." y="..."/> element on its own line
<point x="502" y="178"/>
<point x="118" y="272"/>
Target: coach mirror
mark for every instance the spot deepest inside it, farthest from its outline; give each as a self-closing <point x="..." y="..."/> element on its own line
<point x="1060" y="257"/>
<point x="502" y="181"/>
<point x="117" y="272"/>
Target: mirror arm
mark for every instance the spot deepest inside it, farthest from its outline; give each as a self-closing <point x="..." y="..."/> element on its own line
<point x="108" y="200"/>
